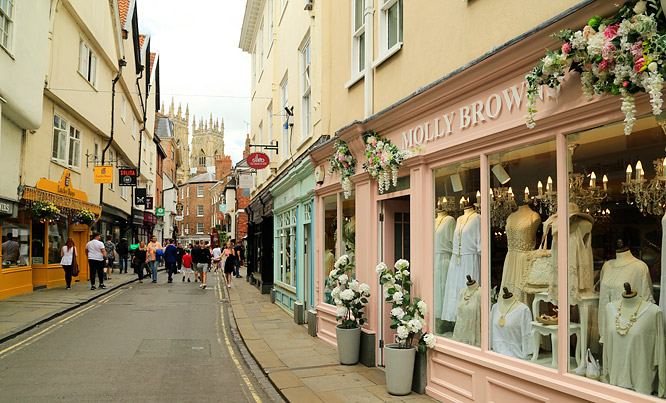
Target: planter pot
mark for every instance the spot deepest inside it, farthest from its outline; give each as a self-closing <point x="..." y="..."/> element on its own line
<point x="349" y="343"/>
<point x="399" y="364"/>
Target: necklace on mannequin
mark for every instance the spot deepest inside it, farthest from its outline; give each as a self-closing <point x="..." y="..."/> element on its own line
<point x="502" y="319"/>
<point x="462" y="227"/>
<point x="468" y="296"/>
<point x="623" y="331"/>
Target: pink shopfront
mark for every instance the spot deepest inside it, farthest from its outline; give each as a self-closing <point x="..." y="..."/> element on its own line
<point x="483" y="198"/>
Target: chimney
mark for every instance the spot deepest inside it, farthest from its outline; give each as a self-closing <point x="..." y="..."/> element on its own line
<point x="222" y="166"/>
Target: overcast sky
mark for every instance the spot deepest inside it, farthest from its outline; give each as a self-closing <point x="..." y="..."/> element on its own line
<point x="200" y="61"/>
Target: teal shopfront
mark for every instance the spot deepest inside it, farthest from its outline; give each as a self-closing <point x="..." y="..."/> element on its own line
<point x="293" y="240"/>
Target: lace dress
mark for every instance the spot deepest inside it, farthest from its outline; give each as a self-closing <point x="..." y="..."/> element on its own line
<point x="468" y="326"/>
<point x="444" y="227"/>
<point x="514" y="339"/>
<point x="466" y="259"/>
<point x="521" y="229"/>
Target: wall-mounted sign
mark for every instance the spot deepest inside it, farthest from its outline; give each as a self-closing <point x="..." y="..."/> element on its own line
<point x="6" y="207"/>
<point x="258" y="160"/>
<point x="179" y="218"/>
<point x="223" y="207"/>
<point x="149" y="203"/>
<point x="140" y="196"/>
<point x="104" y="174"/>
<point x="127" y="176"/>
<point x="245" y="181"/>
<point x="159" y="211"/>
<point x="220" y="216"/>
<point x="179" y="208"/>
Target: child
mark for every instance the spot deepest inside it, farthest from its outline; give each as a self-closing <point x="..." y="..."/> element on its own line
<point x="187" y="266"/>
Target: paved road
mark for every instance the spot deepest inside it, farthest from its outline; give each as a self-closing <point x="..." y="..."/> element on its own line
<point x="141" y="343"/>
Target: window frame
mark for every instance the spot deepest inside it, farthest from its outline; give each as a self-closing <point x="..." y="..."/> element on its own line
<point x="134" y="126"/>
<point x="271" y="24"/>
<point x="123" y="109"/>
<point x="7" y="36"/>
<point x="306" y="89"/>
<point x="200" y="210"/>
<point x="284" y="98"/>
<point x="68" y="141"/>
<point x="358" y="40"/>
<point x="200" y="228"/>
<point x="200" y="190"/>
<point x="87" y="68"/>
<point x="386" y="51"/>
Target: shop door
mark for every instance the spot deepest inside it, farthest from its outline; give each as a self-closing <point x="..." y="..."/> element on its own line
<point x="79" y="234"/>
<point x="394" y="245"/>
<point x="307" y="269"/>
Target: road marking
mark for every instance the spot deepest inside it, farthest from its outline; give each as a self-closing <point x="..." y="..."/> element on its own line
<point x="231" y="350"/>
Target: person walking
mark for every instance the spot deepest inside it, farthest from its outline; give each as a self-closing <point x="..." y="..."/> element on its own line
<point x="217" y="258"/>
<point x="179" y="256"/>
<point x="186" y="270"/>
<point x="238" y="257"/>
<point x="229" y="263"/>
<point x="170" y="258"/>
<point x="140" y="260"/>
<point x="196" y="256"/>
<point x="199" y="257"/>
<point x="110" y="257"/>
<point x="153" y="247"/>
<point x="207" y="258"/>
<point x="96" y="256"/>
<point x="123" y="255"/>
<point x="67" y="256"/>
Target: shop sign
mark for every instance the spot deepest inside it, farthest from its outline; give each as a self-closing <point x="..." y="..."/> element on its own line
<point x="159" y="211"/>
<point x="63" y="188"/>
<point x="149" y="203"/>
<point x="179" y="208"/>
<point x="223" y="207"/>
<point x="245" y="181"/>
<point x="140" y="196"/>
<point x="127" y="176"/>
<point x="6" y="207"/>
<point x="220" y="216"/>
<point x="149" y="218"/>
<point x="103" y="174"/>
<point x="137" y="217"/>
<point x="179" y="218"/>
<point x="257" y="160"/>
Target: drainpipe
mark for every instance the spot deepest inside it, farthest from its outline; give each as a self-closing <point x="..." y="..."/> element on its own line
<point x="369" y="54"/>
<point x="143" y="125"/>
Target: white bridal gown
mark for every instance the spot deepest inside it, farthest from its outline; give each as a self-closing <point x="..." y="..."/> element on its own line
<point x="466" y="259"/>
<point x="444" y="226"/>
<point x="521" y="229"/>
<point x="514" y="339"/>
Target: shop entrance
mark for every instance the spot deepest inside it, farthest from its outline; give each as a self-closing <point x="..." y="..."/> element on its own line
<point x="394" y="223"/>
<point x="307" y="269"/>
<point x="79" y="234"/>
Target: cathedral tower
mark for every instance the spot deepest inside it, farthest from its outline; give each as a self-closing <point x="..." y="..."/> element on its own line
<point x="207" y="142"/>
<point x="181" y="136"/>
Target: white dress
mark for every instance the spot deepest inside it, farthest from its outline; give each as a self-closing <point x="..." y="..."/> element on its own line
<point x="514" y="339"/>
<point x="614" y="274"/>
<point x="521" y="229"/>
<point x="444" y="226"/>
<point x="466" y="259"/>
<point x="662" y="293"/>
<point x="634" y="360"/>
<point x="468" y="326"/>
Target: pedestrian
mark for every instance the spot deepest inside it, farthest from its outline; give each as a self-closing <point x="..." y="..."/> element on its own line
<point x="67" y="256"/>
<point x="229" y="264"/>
<point x="170" y="258"/>
<point x="187" y="266"/>
<point x="153" y="247"/>
<point x="199" y="256"/>
<point x="123" y="255"/>
<point x="140" y="260"/>
<point x="196" y="255"/>
<point x="207" y="258"/>
<point x="238" y="257"/>
<point x="217" y="258"/>
<point x="110" y="257"/>
<point x="96" y="256"/>
<point x="179" y="256"/>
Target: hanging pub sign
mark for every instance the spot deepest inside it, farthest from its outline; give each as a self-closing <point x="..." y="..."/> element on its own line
<point x="149" y="203"/>
<point x="179" y="208"/>
<point x="103" y="174"/>
<point x="140" y="196"/>
<point x="245" y="181"/>
<point x="159" y="211"/>
<point x="127" y="176"/>
<point x="258" y="160"/>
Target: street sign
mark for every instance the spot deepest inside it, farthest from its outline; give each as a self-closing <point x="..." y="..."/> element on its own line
<point x="245" y="181"/>
<point x="159" y="211"/>
<point x="223" y="207"/>
<point x="127" y="177"/>
<point x="220" y="216"/>
<point x="140" y="196"/>
<point x="149" y="203"/>
<point x="103" y="174"/>
<point x="179" y="208"/>
<point x="257" y="160"/>
<point x="179" y="218"/>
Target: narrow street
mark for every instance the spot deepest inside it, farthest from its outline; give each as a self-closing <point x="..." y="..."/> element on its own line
<point x="143" y="342"/>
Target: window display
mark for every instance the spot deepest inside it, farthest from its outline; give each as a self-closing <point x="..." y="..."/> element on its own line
<point x="330" y="240"/>
<point x="286" y="240"/>
<point x="349" y="228"/>
<point x="58" y="235"/>
<point x="458" y="252"/>
<point x="38" y="242"/>
<point x="16" y="240"/>
<point x="616" y="237"/>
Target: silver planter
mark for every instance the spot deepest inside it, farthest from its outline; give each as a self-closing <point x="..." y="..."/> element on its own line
<point x="349" y="343"/>
<point x="399" y="364"/>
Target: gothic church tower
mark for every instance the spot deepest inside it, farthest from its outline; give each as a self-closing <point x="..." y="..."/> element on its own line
<point x="181" y="134"/>
<point x="207" y="142"/>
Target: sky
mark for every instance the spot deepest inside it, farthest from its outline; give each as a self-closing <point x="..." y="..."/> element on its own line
<point x="200" y="61"/>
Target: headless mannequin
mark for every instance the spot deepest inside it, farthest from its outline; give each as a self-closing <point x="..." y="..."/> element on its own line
<point x="468" y="325"/>
<point x="630" y="303"/>
<point x="471" y="283"/>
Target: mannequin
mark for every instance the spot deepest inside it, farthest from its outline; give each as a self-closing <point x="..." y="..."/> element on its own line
<point x="444" y="227"/>
<point x="634" y="351"/>
<point x="521" y="229"/>
<point x="511" y="327"/>
<point x="662" y="294"/>
<point x="468" y="326"/>
<point x="625" y="268"/>
<point x="465" y="259"/>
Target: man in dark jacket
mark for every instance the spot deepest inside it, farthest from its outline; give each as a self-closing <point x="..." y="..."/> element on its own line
<point x="198" y="261"/>
<point x="170" y="258"/>
<point x="123" y="254"/>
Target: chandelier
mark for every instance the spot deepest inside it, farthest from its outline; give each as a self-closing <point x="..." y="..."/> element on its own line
<point x="648" y="196"/>
<point x="502" y="204"/>
<point x="448" y="205"/>
<point x="588" y="200"/>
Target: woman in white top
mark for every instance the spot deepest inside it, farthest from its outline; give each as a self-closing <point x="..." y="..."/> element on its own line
<point x="217" y="258"/>
<point x="67" y="257"/>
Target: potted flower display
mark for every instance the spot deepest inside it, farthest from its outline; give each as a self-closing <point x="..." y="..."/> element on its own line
<point x="350" y="298"/>
<point x="84" y="217"/>
<point x="44" y="211"/>
<point x="344" y="163"/>
<point x="408" y="319"/>
<point x="384" y="159"/>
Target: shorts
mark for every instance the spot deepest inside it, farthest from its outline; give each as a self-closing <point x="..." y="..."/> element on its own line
<point x="201" y="267"/>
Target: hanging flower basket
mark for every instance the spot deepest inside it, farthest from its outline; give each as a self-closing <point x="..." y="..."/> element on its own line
<point x="344" y="163"/>
<point x="383" y="159"/>
<point x="44" y="211"/>
<point x="84" y="217"/>
<point x="621" y="55"/>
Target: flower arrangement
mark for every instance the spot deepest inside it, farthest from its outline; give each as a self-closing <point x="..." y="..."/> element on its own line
<point x="621" y="55"/>
<point x="349" y="295"/>
<point x="84" y="217"/>
<point x="344" y="163"/>
<point x="407" y="315"/>
<point x="44" y="211"/>
<point x="383" y="159"/>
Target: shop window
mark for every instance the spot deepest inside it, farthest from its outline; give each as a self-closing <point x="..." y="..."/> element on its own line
<point x="38" y="242"/>
<point x="616" y="226"/>
<point x="16" y="240"/>
<point x="330" y="204"/>
<point x="520" y="256"/>
<point x="58" y="235"/>
<point x="286" y="243"/>
<point x="457" y="252"/>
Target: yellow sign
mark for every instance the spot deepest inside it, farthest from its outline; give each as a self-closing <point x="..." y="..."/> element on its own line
<point x="63" y="188"/>
<point x="62" y="194"/>
<point x="104" y="174"/>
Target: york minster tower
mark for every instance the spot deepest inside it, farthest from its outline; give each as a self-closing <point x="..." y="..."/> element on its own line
<point x="181" y="134"/>
<point x="207" y="142"/>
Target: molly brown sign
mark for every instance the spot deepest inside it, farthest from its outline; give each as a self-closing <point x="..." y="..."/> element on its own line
<point x="470" y="115"/>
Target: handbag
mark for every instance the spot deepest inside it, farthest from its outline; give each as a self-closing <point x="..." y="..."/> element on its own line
<point x="75" y="265"/>
<point x="540" y="268"/>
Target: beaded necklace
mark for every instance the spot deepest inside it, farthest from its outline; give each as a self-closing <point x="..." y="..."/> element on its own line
<point x="623" y="331"/>
<point x="462" y="227"/>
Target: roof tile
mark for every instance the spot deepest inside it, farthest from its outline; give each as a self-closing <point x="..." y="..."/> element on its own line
<point x="123" y="7"/>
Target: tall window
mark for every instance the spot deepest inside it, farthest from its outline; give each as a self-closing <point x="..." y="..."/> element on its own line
<point x="284" y="98"/>
<point x="390" y="24"/>
<point x="270" y="22"/>
<point x="187" y="228"/>
<point x="202" y="158"/>
<point x="66" y="143"/>
<point x="200" y="211"/>
<point x="200" y="228"/>
<point x="358" y="36"/>
<point x="188" y="192"/>
<point x="7" y="22"/>
<point x="269" y="134"/>
<point x="111" y="163"/>
<point x="200" y="191"/>
<point x="123" y="109"/>
<point x="87" y="62"/>
<point x="305" y="90"/>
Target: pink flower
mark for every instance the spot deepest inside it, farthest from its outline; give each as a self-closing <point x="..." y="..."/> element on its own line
<point x="588" y="31"/>
<point x="374" y="144"/>
<point x="345" y="165"/>
<point x="637" y="50"/>
<point x="566" y="48"/>
<point x="611" y="31"/>
<point x="625" y="84"/>
<point x="341" y="157"/>
<point x="608" y="51"/>
<point x="640" y="65"/>
<point x="603" y="65"/>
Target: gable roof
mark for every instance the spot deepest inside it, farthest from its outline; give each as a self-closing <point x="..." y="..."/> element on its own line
<point x="123" y="7"/>
<point x="164" y="127"/>
<point x="202" y="178"/>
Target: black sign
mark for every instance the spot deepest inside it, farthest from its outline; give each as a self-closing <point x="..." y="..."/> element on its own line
<point x="140" y="196"/>
<point x="127" y="176"/>
<point x="179" y="208"/>
<point x="149" y="203"/>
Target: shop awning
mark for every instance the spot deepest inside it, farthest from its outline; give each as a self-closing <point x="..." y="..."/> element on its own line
<point x="62" y="202"/>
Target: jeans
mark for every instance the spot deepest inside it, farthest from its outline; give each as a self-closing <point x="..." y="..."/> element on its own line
<point x="237" y="268"/>
<point x="140" y="272"/>
<point x="171" y="268"/>
<point x="122" y="262"/>
<point x="68" y="273"/>
<point x="153" y="267"/>
<point x="96" y="268"/>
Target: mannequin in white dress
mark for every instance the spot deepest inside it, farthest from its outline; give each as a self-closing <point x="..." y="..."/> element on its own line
<point x="468" y="326"/>
<point x="521" y="229"/>
<point x="444" y="227"/>
<point x="635" y="349"/>
<point x="466" y="259"/>
<point x="511" y="327"/>
<point x="662" y="294"/>
<point x="625" y="268"/>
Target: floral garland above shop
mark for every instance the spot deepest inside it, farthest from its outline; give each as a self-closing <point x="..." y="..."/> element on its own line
<point x="344" y="163"/>
<point x="44" y="211"/>
<point x="621" y="55"/>
<point x="384" y="159"/>
<point x="84" y="217"/>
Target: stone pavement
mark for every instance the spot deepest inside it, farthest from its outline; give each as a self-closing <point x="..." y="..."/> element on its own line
<point x="303" y="368"/>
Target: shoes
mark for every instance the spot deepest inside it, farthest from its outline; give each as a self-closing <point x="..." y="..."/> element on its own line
<point x="188" y="279"/>
<point x="92" y="287"/>
<point x="239" y="276"/>
<point x="169" y="281"/>
<point x="154" y="281"/>
<point x="203" y="286"/>
<point x="184" y="279"/>
<point x="228" y="285"/>
<point x="102" y="286"/>
<point x="196" y="280"/>
<point x="140" y="281"/>
<point x="592" y="370"/>
<point x="108" y="278"/>
<point x="69" y="287"/>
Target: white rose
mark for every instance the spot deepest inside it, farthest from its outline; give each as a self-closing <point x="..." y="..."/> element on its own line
<point x="380" y="144"/>
<point x="398" y="287"/>
<point x="364" y="288"/>
<point x="405" y="273"/>
<point x="343" y="278"/>
<point x="337" y="301"/>
<point x="397" y="298"/>
<point x="388" y="277"/>
<point x="415" y="325"/>
<point x="640" y="7"/>
<point x="423" y="322"/>
<point x="429" y="340"/>
<point x="380" y="268"/>
<point x="335" y="293"/>
<point x="333" y="273"/>
<point x="398" y="313"/>
<point x="653" y="66"/>
<point x="403" y="333"/>
<point x="401" y="264"/>
<point x="342" y="261"/>
<point x="353" y="285"/>
<point x="386" y="294"/>
<point x="422" y="307"/>
<point x="341" y="311"/>
<point x="347" y="295"/>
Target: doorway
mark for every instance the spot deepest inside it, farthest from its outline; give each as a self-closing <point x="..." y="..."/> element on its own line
<point x="307" y="269"/>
